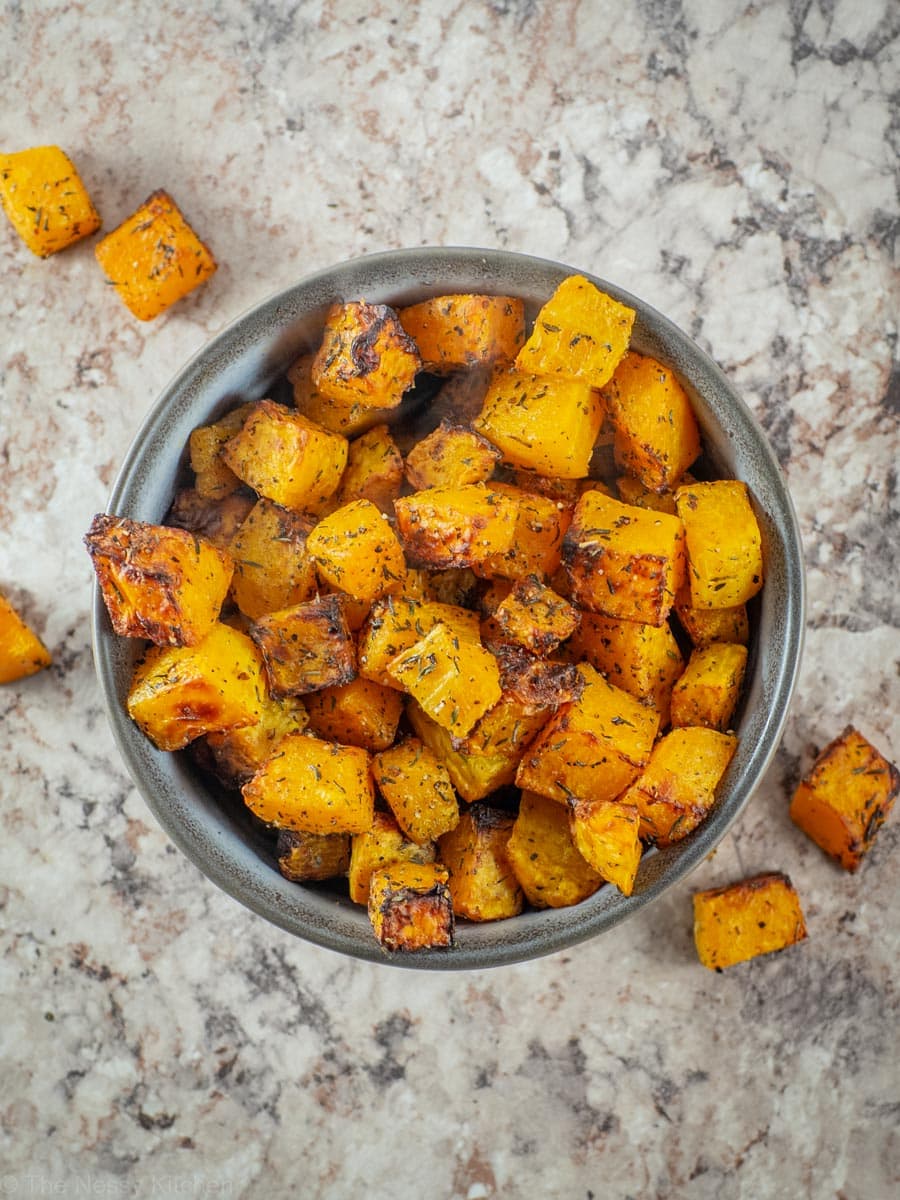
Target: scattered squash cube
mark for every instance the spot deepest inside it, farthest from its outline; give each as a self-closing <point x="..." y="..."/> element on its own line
<point x="272" y="567"/>
<point x="455" y="526"/>
<point x="756" y="916"/>
<point x="606" y="834"/>
<point x="214" y="479"/>
<point x="543" y="855"/>
<point x="374" y="470"/>
<point x="305" y="857"/>
<point x="347" y="417"/>
<point x="623" y="561"/>
<point x="474" y="776"/>
<point x="483" y="885"/>
<point x="306" y="647"/>
<point x="396" y="623"/>
<point x="724" y="545"/>
<point x="216" y="520"/>
<point x="239" y="753"/>
<point x="450" y="456"/>
<point x="533" y="616"/>
<point x="536" y="547"/>
<point x="580" y="333"/>
<point x="313" y="786"/>
<point x="154" y="257"/>
<point x="380" y="845"/>
<point x="22" y="653"/>
<point x="357" y="551"/>
<point x="846" y="796"/>
<point x="160" y="583"/>
<point x="417" y="788"/>
<point x="359" y="713"/>
<point x="45" y="200"/>
<point x="410" y="906"/>
<point x="463" y="331"/>
<point x="365" y="356"/>
<point x="708" y="691"/>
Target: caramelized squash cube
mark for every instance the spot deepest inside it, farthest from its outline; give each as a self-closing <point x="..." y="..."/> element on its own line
<point x="160" y="583"/>
<point x="465" y="331"/>
<point x="306" y="857"/>
<point x="410" y="907"/>
<point x="724" y="545"/>
<point x="374" y="470"/>
<point x="843" y="801"/>
<point x="451" y="456"/>
<point x="396" y="623"/>
<point x="306" y="647"/>
<point x="544" y="857"/>
<point x="44" y="198"/>
<point x="704" y="626"/>
<point x="239" y="753"/>
<point x="359" y="713"/>
<point x="22" y="653"/>
<point x="347" y="417"/>
<point x="272" y="567"/>
<point x="382" y="843"/>
<point x="214" y="479"/>
<point x="417" y="788"/>
<point x="606" y="834"/>
<point x="216" y="520"/>
<point x="708" y="691"/>
<point x="483" y="885"/>
<point x="533" y="616"/>
<point x="474" y="776"/>
<point x="357" y="551"/>
<point x="536" y="547"/>
<point x="739" y="922"/>
<point x="365" y="356"/>
<point x="455" y="526"/>
<point x="537" y="684"/>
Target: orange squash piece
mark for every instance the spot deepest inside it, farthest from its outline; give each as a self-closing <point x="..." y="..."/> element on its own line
<point x="465" y="330"/>
<point x="410" y="906"/>
<point x="739" y="922"/>
<point x="22" y="653"/>
<point x="366" y="357"/>
<point x="724" y="544"/>
<point x="417" y="788"/>
<point x="483" y="885"/>
<point x="45" y="200"/>
<point x="356" y="550"/>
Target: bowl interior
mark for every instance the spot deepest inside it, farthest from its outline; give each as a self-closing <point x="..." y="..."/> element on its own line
<point x="211" y="827"/>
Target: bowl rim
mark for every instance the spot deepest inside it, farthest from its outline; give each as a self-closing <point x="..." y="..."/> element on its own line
<point x="536" y="933"/>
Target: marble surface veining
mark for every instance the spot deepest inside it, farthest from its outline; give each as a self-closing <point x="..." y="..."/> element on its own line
<point x="736" y="165"/>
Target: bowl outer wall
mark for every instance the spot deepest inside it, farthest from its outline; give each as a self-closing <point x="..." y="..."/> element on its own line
<point x="240" y="364"/>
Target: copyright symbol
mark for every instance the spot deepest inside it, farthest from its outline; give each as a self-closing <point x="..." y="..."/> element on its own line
<point x="8" y="1185"/>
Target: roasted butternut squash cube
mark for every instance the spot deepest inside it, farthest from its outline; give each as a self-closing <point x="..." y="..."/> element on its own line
<point x="365" y="357"/>
<point x="359" y="713"/>
<point x="843" y="801"/>
<point x="536" y="547"/>
<point x="313" y="786"/>
<point x="347" y="417"/>
<point x="450" y="456"/>
<point x="454" y="680"/>
<point x="543" y="423"/>
<point x="724" y="545"/>
<point x="455" y="526"/>
<point x="580" y="333"/>
<point x="474" y="776"/>
<point x="643" y="660"/>
<point x="536" y="684"/>
<point x="214" y="479"/>
<point x="374" y="470"/>
<point x="410" y="907"/>
<point x="533" y="616"/>
<point x="45" y="200"/>
<point x="465" y="331"/>
<point x="22" y="653"/>
<point x="272" y="567"/>
<point x="705" y="626"/>
<point x="623" y="561"/>
<point x="154" y="257"/>
<point x="382" y="843"/>
<point x="396" y="623"/>
<point x="606" y="835"/>
<point x="306" y="857"/>
<point x="306" y="647"/>
<point x="508" y="727"/>
<point x="285" y="457"/>
<point x="483" y="885"/>
<point x="160" y="583"/>
<point x="542" y="852"/>
<point x="632" y="491"/>
<point x="677" y="788"/>
<point x="708" y="691"/>
<point x="179" y="693"/>
<point x="239" y="753"/>
<point x="593" y="748"/>
<point x="739" y="922"/>
<point x="417" y="788"/>
<point x="656" y="433"/>
<point x="356" y="550"/>
<point x="215" y="520"/>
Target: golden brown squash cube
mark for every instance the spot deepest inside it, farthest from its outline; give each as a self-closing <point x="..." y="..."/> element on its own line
<point x="365" y="356"/>
<point x="154" y="257"/>
<point x="164" y="584"/>
<point x="483" y="885"/>
<point x="374" y="470"/>
<point x="454" y="680"/>
<point x="356" y="550"/>
<point x="410" y="906"/>
<point x="313" y="786"/>
<point x="623" y="561"/>
<point x="656" y="433"/>
<point x="239" y="753"/>
<point x="216" y="520"/>
<point x="214" y="479"/>
<point x="44" y="198"/>
<point x="580" y="333"/>
<point x="606" y="834"/>
<point x="180" y="693"/>
<point x="756" y="916"/>
<point x="450" y="456"/>
<point x="359" y="713"/>
<point x="382" y="843"/>
<point x="704" y="626"/>
<point x="846" y="796"/>
<point x="544" y="857"/>
<point x="455" y="526"/>
<point x="632" y="491"/>
<point x="347" y="417"/>
<point x="724" y="545"/>
<point x="22" y="653"/>
<point x="508" y="727"/>
<point x="417" y="788"/>
<point x="465" y="331"/>
<point x="536" y="547"/>
<point x="306" y="647"/>
<point x="285" y="457"/>
<point x="543" y="423"/>
<point x="474" y="776"/>
<point x="536" y="684"/>
<point x="396" y="623"/>
<point x="272" y="567"/>
<point x="677" y="788"/>
<point x="708" y="691"/>
<point x="533" y="616"/>
<point x="593" y="748"/>
<point x="305" y="857"/>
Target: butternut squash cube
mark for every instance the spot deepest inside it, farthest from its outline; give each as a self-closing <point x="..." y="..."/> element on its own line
<point x="160" y="583"/>
<point x="536" y="547"/>
<point x="306" y="647"/>
<point x="356" y="550"/>
<point x="739" y="922"/>
<point x="359" y="713"/>
<point x="365" y="356"/>
<point x="417" y="788"/>
<point x="154" y="257"/>
<point x="483" y="885"/>
<point x="606" y="833"/>
<point x="474" y="776"/>
<point x="632" y="491"/>
<point x="724" y="545"/>
<point x="45" y="200"/>
<point x="374" y="470"/>
<point x="543" y="855"/>
<point x="382" y="843"/>
<point x="22" y="653"/>
<point x="580" y="333"/>
<point x="410" y="907"/>
<point x="708" y="691"/>
<point x="533" y="616"/>
<point x="239" y="753"/>
<point x="464" y="331"/>
<point x="843" y="801"/>
<point x="396" y="623"/>
<point x="451" y="456"/>
<point x="347" y="417"/>
<point x="704" y="626"/>
<point x="216" y="520"/>
<point x="455" y="526"/>
<point x="179" y="693"/>
<point x="285" y="457"/>
<point x="313" y="787"/>
<point x="306" y="857"/>
<point x="536" y="684"/>
<point x="272" y="567"/>
<point x="623" y="561"/>
<point x="508" y="727"/>
<point x="214" y="479"/>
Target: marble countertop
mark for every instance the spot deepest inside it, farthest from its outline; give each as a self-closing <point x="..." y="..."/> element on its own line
<point x="737" y="172"/>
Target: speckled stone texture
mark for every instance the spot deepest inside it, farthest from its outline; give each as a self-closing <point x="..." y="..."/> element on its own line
<point x="735" y="165"/>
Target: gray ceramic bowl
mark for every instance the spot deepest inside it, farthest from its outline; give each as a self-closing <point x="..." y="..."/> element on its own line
<point x="241" y="363"/>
